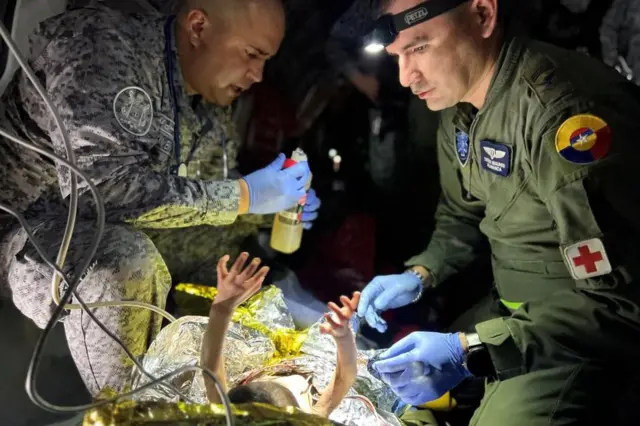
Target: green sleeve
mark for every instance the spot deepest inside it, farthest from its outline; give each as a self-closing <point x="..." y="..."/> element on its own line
<point x="457" y="236"/>
<point x="599" y="320"/>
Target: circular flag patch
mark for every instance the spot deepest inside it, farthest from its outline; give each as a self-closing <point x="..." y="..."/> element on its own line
<point x="583" y="139"/>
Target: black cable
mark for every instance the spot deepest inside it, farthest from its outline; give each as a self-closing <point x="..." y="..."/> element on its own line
<point x="72" y="285"/>
<point x="85" y="308"/>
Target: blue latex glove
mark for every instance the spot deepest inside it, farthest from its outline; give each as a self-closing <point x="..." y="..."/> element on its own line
<point x="387" y="292"/>
<point x="272" y="189"/>
<point x="310" y="209"/>
<point x="423" y="366"/>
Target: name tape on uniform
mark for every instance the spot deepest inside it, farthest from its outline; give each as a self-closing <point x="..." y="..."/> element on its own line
<point x="583" y="139"/>
<point x="495" y="158"/>
<point x="587" y="259"/>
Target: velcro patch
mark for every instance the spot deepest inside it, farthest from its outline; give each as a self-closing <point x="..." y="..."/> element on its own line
<point x="133" y="110"/>
<point x="495" y="158"/>
<point x="587" y="259"/>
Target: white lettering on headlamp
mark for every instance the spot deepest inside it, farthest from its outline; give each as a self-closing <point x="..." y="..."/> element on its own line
<point x="415" y="16"/>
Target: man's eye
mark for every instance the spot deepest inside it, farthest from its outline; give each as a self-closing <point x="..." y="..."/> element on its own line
<point x="419" y="49"/>
<point x="252" y="55"/>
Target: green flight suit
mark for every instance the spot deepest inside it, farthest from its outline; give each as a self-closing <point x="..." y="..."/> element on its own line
<point x="570" y="346"/>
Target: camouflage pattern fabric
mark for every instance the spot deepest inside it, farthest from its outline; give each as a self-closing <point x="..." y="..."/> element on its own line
<point x="127" y="266"/>
<point x="105" y="73"/>
<point x="131" y="6"/>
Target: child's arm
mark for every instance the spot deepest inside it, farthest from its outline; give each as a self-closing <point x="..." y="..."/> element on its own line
<point x="346" y="366"/>
<point x="234" y="288"/>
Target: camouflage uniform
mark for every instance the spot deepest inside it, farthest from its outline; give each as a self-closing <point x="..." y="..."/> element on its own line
<point x="131" y="6"/>
<point x="106" y="74"/>
<point x="620" y="35"/>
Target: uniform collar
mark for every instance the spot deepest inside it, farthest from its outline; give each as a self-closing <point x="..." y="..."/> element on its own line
<point x="506" y="67"/>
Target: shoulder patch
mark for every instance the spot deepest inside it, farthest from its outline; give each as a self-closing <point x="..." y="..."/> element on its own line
<point x="462" y="147"/>
<point x="133" y="110"/>
<point x="583" y="139"/>
<point x="544" y="79"/>
<point x="587" y="259"/>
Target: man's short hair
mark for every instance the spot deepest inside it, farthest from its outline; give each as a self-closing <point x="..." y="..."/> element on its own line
<point x="265" y="392"/>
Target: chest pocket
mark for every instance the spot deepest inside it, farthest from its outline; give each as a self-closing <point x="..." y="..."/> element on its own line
<point x="503" y="193"/>
<point x="505" y="177"/>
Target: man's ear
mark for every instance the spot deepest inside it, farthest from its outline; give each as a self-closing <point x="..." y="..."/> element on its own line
<point x="196" y="23"/>
<point x="486" y="13"/>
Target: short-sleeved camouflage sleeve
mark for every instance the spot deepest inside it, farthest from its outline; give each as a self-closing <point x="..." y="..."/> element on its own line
<point x="83" y="74"/>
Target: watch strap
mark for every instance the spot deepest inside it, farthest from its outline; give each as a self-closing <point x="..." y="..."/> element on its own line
<point x="422" y="279"/>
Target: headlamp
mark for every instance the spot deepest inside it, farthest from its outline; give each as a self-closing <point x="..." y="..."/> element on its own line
<point x="387" y="27"/>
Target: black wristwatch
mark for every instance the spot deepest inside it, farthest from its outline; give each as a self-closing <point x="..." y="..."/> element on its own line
<point x="477" y="359"/>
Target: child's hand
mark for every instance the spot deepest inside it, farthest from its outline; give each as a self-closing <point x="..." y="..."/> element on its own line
<point x="337" y="323"/>
<point x="238" y="285"/>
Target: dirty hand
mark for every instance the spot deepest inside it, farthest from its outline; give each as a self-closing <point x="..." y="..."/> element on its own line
<point x="237" y="285"/>
<point x="337" y="323"/>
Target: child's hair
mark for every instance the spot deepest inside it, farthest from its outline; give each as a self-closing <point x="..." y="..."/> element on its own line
<point x="266" y="392"/>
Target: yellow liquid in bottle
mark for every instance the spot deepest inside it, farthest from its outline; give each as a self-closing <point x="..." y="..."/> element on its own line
<point x="286" y="233"/>
<point x="286" y="236"/>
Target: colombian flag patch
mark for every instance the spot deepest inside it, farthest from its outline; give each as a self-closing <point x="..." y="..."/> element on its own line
<point x="583" y="139"/>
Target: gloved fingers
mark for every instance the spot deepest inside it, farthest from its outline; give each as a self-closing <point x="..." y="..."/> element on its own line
<point x="309" y="216"/>
<point x="402" y="346"/>
<point x="386" y="297"/>
<point x="369" y="294"/>
<point x="418" y="392"/>
<point x="307" y="225"/>
<point x="374" y="320"/>
<point x="300" y="172"/>
<point x="293" y="196"/>
<point x="313" y="202"/>
<point x="278" y="162"/>
<point x="398" y="379"/>
<point x="397" y="363"/>
<point x="418" y="399"/>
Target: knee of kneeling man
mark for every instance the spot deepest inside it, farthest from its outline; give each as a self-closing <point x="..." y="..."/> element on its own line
<point x="128" y="266"/>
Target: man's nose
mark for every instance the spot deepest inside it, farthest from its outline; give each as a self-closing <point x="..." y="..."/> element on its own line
<point x="255" y="71"/>
<point x="408" y="74"/>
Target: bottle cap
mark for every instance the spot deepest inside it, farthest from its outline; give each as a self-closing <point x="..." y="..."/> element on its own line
<point x="288" y="163"/>
<point x="298" y="155"/>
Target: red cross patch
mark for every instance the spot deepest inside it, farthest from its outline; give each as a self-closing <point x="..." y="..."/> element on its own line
<point x="587" y="259"/>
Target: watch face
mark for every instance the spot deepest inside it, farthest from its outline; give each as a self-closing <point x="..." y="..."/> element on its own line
<point x="479" y="363"/>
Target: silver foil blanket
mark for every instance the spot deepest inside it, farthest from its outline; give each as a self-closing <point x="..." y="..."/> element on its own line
<point x="249" y="349"/>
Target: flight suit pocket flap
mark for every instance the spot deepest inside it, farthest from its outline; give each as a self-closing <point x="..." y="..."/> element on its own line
<point x="493" y="332"/>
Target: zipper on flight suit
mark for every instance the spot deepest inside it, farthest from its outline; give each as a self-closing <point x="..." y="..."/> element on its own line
<point x="472" y="153"/>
